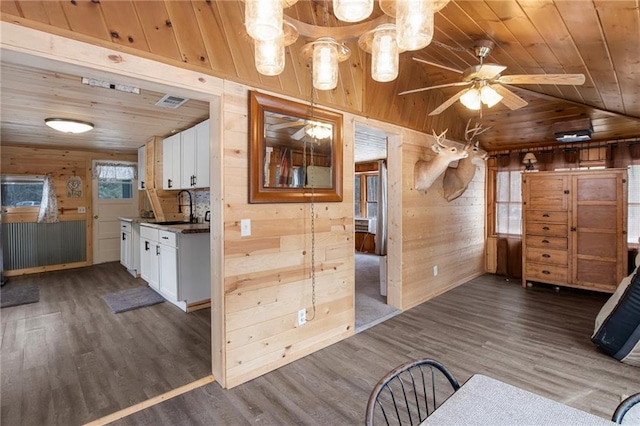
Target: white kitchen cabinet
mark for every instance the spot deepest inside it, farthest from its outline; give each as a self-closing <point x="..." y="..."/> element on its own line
<point x="125" y="245"/>
<point x="185" y="158"/>
<point x="171" y="162"/>
<point x="141" y="167"/>
<point x="168" y="265"/>
<point x="130" y="246"/>
<point x="201" y="179"/>
<point x="176" y="265"/>
<point x="149" y="253"/>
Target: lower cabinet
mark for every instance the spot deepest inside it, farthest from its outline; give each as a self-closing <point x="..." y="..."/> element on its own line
<point x="176" y="265"/>
<point x="129" y="251"/>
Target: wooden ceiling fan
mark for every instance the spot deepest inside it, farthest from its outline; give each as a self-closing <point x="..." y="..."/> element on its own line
<point x="483" y="77"/>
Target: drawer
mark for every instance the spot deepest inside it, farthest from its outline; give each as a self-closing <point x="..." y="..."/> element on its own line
<point x="540" y="241"/>
<point x="167" y="238"/>
<point x="551" y="229"/>
<point x="149" y="233"/>
<point x="546" y="273"/>
<point x="541" y="255"/>
<point x="547" y="216"/>
<point x="125" y="227"/>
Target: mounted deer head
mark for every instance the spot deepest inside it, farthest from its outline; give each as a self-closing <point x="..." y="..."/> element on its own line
<point x="457" y="180"/>
<point x="426" y="172"/>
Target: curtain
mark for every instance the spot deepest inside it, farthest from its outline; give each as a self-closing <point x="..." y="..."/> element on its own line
<point x="114" y="171"/>
<point x="381" y="232"/>
<point x="49" y="205"/>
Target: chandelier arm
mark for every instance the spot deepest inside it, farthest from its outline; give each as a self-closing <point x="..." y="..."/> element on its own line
<point x="346" y="32"/>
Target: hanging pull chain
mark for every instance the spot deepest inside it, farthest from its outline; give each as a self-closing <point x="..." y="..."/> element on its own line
<point x="312" y="209"/>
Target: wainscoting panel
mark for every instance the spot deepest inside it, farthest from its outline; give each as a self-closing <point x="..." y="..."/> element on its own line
<point x="29" y="245"/>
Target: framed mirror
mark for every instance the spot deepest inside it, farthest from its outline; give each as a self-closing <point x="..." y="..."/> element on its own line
<point x="295" y="152"/>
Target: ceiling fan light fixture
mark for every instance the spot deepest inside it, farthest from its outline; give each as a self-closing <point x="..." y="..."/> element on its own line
<point x="414" y="23"/>
<point x="471" y="99"/>
<point x="263" y="19"/>
<point x="269" y="56"/>
<point x="318" y="130"/>
<point x="66" y="125"/>
<point x="352" y="10"/>
<point x="489" y="96"/>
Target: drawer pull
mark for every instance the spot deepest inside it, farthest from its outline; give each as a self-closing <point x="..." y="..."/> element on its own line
<point x="546" y="272"/>
<point x="546" y="255"/>
<point x="545" y="241"/>
<point x="545" y="228"/>
<point x="165" y="238"/>
<point x="545" y="214"/>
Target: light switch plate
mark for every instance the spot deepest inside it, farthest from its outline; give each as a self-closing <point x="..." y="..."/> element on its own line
<point x="245" y="227"/>
<point x="82" y="209"/>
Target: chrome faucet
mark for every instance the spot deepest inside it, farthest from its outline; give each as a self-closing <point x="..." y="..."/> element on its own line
<point x="192" y="217"/>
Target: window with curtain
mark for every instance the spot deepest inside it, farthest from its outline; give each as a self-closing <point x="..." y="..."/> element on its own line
<point x="509" y="202"/>
<point x="366" y="195"/>
<point x="115" y="179"/>
<point x="21" y="190"/>
<point x="633" y="216"/>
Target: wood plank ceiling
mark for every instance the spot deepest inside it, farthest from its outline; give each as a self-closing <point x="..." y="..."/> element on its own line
<point x="598" y="38"/>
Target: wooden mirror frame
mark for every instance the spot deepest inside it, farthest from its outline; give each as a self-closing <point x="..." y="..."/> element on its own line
<point x="258" y="193"/>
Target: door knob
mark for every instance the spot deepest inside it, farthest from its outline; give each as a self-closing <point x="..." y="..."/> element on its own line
<point x="95" y="217"/>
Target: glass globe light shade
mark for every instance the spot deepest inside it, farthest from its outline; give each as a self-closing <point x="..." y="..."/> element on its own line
<point x="263" y="19"/>
<point x="269" y="56"/>
<point x="352" y="10"/>
<point x="385" y="54"/>
<point x="325" y="64"/>
<point x="414" y="23"/>
<point x="471" y="99"/>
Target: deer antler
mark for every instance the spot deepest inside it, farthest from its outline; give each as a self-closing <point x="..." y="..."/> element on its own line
<point x="440" y="137"/>
<point x="469" y="134"/>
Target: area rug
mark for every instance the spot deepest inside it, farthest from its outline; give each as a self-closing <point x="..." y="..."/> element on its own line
<point x="15" y="294"/>
<point x="127" y="300"/>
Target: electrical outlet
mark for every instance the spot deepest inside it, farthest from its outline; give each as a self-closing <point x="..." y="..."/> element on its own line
<point x="302" y="317"/>
<point x="245" y="227"/>
<point x="82" y="209"/>
<point x="435" y="271"/>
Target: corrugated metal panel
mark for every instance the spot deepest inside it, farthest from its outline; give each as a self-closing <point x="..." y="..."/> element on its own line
<point x="29" y="245"/>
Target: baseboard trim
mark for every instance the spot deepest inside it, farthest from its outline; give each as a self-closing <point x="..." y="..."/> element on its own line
<point x="151" y="402"/>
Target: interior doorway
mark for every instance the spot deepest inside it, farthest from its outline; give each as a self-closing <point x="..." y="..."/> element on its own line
<point x="370" y="205"/>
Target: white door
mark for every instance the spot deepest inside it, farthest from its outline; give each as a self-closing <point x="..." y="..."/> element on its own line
<point x="110" y="201"/>
<point x="188" y="158"/>
<point x="202" y="155"/>
<point x="169" y="271"/>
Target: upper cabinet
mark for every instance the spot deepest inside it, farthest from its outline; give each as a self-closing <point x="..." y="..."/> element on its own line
<point x="141" y="167"/>
<point x="186" y="158"/>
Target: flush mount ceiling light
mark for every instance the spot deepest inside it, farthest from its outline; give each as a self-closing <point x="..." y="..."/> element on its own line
<point x="405" y="25"/>
<point x="67" y="125"/>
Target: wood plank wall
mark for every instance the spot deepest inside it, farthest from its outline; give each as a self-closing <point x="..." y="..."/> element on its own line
<point x="435" y="232"/>
<point x="267" y="275"/>
<point x="62" y="164"/>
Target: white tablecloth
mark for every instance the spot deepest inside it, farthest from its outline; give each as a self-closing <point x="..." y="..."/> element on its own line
<point x="486" y="401"/>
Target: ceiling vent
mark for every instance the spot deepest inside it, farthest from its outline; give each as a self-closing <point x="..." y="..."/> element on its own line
<point x="171" y="101"/>
<point x="573" y="131"/>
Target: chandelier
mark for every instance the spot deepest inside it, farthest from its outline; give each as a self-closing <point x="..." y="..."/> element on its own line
<point x="406" y="25"/>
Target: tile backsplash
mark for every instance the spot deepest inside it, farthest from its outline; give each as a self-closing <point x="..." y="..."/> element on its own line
<point x="202" y="202"/>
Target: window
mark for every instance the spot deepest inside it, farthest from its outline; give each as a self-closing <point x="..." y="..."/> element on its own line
<point x="633" y="215"/>
<point x="115" y="180"/>
<point x="21" y="190"/>
<point x="509" y="202"/>
<point x="366" y="195"/>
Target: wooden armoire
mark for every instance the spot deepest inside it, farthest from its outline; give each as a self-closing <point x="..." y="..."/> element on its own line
<point x="574" y="228"/>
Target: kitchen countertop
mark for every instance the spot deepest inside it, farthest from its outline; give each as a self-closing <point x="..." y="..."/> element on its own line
<point x="185" y="228"/>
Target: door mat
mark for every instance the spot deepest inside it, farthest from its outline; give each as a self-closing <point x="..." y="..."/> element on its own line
<point x="127" y="300"/>
<point x="15" y="294"/>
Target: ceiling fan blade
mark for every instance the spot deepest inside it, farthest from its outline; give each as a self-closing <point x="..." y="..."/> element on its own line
<point x="422" y="89"/>
<point x="286" y="124"/>
<point x="299" y="134"/>
<point x="437" y="65"/>
<point x="510" y="99"/>
<point x="446" y="104"/>
<point x="573" y="79"/>
<point x="483" y="71"/>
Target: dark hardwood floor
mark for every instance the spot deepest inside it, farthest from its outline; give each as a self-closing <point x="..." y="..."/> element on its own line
<point x="535" y="338"/>
<point x="68" y="359"/>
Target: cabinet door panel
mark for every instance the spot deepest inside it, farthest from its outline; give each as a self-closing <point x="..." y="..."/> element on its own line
<point x="202" y="155"/>
<point x="169" y="271"/>
<point x="142" y="167"/>
<point x="171" y="162"/>
<point x="188" y="158"/>
<point x="546" y="191"/>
